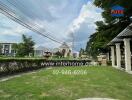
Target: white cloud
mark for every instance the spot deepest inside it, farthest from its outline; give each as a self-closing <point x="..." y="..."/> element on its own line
<point x="56" y="17"/>
<point x="49" y="28"/>
<point x="14" y="31"/>
<point x="9" y="27"/>
<point x="84" y="24"/>
<point x="88" y="14"/>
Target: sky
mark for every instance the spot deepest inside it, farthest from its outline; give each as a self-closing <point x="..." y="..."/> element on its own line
<point x="64" y="20"/>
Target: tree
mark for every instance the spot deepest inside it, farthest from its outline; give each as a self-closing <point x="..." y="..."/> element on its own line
<point x="63" y="52"/>
<point x="26" y="47"/>
<point x="81" y="52"/>
<point x="58" y="54"/>
<point x="111" y="26"/>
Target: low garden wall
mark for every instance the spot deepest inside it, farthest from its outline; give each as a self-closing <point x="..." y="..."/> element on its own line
<point x="15" y="65"/>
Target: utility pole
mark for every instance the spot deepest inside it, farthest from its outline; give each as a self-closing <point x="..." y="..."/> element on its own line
<point x="72" y="41"/>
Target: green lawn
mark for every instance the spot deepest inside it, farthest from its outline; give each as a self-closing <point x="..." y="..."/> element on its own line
<point x="45" y="85"/>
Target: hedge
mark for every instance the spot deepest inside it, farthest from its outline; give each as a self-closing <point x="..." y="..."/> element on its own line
<point x="16" y="65"/>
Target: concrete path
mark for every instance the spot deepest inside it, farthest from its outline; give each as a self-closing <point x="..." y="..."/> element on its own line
<point x="20" y="74"/>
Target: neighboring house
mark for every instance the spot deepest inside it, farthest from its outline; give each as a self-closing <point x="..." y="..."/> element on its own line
<point x="40" y="51"/>
<point x="7" y="49"/>
<point x="64" y="48"/>
<point x="102" y="59"/>
<point x="75" y="54"/>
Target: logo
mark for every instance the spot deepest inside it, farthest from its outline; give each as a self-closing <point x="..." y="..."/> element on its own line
<point x="117" y="11"/>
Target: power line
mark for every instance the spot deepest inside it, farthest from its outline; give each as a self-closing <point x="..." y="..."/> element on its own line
<point x="15" y="3"/>
<point x="7" y="12"/>
<point x="34" y="25"/>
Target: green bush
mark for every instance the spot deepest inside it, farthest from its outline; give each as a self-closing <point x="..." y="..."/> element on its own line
<point x="14" y="65"/>
<point x="109" y="63"/>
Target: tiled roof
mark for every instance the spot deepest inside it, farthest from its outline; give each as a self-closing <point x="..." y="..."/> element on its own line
<point x="40" y="48"/>
<point x="7" y="43"/>
<point x="110" y="44"/>
<point x="116" y="40"/>
<point x="126" y="33"/>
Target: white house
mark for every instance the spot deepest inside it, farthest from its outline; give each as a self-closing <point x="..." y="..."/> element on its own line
<point x="40" y="51"/>
<point x="75" y="54"/>
<point x="121" y="49"/>
<point x="7" y="49"/>
<point x="65" y="48"/>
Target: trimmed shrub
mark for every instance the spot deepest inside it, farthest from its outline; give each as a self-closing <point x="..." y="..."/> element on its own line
<point x="15" y="65"/>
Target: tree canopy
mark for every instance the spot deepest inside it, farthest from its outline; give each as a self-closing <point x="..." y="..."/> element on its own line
<point x="26" y="47"/>
<point x="110" y="27"/>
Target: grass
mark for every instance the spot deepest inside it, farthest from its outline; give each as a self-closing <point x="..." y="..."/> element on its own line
<point x="104" y="82"/>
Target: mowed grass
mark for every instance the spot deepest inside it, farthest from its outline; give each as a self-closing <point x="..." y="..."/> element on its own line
<point x="103" y="82"/>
